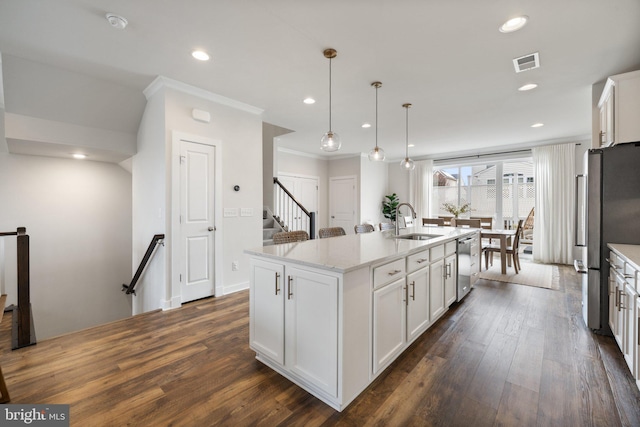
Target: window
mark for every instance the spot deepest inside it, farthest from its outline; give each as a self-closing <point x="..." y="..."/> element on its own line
<point x="507" y="200"/>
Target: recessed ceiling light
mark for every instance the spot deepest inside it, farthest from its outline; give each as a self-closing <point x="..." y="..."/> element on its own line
<point x="79" y="156"/>
<point x="528" y="86"/>
<point x="309" y="101"/>
<point x="537" y="125"/>
<point x="200" y="55"/>
<point x="366" y="125"/>
<point x="514" y="24"/>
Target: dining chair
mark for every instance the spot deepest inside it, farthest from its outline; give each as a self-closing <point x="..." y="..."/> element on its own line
<point x="512" y="251"/>
<point x="387" y="226"/>
<point x="433" y="221"/>
<point x="486" y="222"/>
<point x="447" y="219"/>
<point x="331" y="232"/>
<point x="465" y="222"/>
<point x="290" y="236"/>
<point x="363" y="228"/>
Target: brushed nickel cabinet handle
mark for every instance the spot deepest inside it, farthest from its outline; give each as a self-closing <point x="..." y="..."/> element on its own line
<point x="413" y="289"/>
<point x="277" y="282"/>
<point x="289" y="293"/>
<point x="421" y="260"/>
<point x="394" y="272"/>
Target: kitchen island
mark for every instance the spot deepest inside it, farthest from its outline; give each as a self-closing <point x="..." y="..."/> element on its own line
<point x="331" y="314"/>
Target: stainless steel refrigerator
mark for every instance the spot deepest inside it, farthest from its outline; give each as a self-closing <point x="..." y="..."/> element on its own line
<point x="607" y="211"/>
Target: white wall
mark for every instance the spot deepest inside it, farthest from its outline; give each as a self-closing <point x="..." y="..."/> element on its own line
<point x="149" y="205"/>
<point x="373" y="188"/>
<point x="398" y="182"/>
<point x="169" y="110"/>
<point x="78" y="217"/>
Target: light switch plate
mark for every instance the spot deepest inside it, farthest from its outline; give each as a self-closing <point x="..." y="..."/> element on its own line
<point x="246" y="211"/>
<point x="228" y="212"/>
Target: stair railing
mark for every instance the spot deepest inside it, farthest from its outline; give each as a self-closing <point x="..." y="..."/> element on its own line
<point x="290" y="213"/>
<point x="130" y="288"/>
<point x="22" y="331"/>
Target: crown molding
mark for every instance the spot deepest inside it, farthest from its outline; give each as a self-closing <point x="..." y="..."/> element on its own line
<point x="161" y="82"/>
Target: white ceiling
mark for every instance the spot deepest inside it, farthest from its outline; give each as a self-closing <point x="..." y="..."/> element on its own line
<point x="445" y="57"/>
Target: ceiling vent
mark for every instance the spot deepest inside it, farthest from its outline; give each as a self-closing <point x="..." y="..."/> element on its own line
<point x="527" y="62"/>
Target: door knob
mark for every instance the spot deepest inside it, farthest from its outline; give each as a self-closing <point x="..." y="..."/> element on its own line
<point x="211" y="228"/>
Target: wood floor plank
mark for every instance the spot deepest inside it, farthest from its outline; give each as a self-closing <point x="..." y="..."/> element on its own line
<point x="478" y="365"/>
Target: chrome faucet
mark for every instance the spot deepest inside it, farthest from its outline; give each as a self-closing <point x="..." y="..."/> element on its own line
<point x="413" y="212"/>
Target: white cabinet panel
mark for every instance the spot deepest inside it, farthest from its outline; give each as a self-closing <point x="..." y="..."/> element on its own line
<point x="388" y="323"/>
<point x="267" y="310"/>
<point x="312" y="327"/>
<point x="436" y="290"/>
<point x="417" y="303"/>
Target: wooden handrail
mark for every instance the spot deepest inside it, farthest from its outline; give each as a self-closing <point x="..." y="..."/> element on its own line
<point x="130" y="288"/>
<point x="276" y="181"/>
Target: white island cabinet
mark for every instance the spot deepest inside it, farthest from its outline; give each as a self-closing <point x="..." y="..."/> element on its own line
<point x="332" y="314"/>
<point x="624" y="302"/>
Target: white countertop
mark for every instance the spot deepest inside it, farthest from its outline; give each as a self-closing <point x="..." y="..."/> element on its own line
<point x="631" y="252"/>
<point x="346" y="253"/>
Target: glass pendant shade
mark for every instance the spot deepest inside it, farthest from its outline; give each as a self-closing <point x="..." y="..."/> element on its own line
<point x="376" y="154"/>
<point x="330" y="142"/>
<point x="407" y="164"/>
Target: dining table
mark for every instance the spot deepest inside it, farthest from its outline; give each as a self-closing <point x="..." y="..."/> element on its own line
<point x="505" y="240"/>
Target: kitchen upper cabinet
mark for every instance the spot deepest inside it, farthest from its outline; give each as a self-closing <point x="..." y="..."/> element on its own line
<point x="619" y="107"/>
<point x="266" y="305"/>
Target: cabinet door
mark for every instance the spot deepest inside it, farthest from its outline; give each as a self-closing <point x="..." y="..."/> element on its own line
<point x="613" y="302"/>
<point x="266" y="326"/>
<point x="417" y="303"/>
<point x="619" y="314"/>
<point x="631" y="327"/>
<point x="389" y="322"/>
<point x="607" y="129"/>
<point x="436" y="290"/>
<point x="312" y="328"/>
<point x="450" y="280"/>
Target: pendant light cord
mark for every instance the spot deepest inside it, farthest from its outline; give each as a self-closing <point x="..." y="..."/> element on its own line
<point x="376" y="118"/>
<point x="330" y="94"/>
<point x="407" y="133"/>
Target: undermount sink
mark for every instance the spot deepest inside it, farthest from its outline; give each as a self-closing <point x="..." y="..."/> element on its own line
<point x="418" y="236"/>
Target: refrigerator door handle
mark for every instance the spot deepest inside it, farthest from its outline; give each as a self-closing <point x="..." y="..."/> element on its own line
<point x="579" y="215"/>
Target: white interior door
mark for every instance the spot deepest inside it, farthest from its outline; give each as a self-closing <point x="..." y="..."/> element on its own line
<point x="197" y="184"/>
<point x="342" y="202"/>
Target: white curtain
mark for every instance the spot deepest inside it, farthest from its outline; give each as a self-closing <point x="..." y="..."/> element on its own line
<point x="553" y="225"/>
<point x="421" y="188"/>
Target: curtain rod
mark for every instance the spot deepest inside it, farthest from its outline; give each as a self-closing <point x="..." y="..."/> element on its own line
<point x="477" y="156"/>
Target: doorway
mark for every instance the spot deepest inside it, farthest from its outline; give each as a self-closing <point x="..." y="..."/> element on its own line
<point x="342" y="202"/>
<point x="196" y="240"/>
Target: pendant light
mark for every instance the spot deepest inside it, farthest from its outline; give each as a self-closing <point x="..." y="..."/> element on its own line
<point x="376" y="154"/>
<point x="330" y="141"/>
<point x="407" y="164"/>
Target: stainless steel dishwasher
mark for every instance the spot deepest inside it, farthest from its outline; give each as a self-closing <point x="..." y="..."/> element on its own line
<point x="464" y="266"/>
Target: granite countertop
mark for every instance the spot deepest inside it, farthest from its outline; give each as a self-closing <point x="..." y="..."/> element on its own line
<point x="631" y="252"/>
<point x="345" y="253"/>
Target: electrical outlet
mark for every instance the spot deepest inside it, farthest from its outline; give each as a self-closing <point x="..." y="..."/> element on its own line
<point x="234" y="266"/>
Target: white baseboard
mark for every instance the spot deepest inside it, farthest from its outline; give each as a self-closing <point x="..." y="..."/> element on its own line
<point x="233" y="288"/>
<point x="174" y="302"/>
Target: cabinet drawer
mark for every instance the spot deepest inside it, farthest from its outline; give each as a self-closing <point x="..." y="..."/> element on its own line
<point x="450" y="247"/>
<point x="437" y="252"/>
<point x="417" y="261"/>
<point x="388" y="272"/>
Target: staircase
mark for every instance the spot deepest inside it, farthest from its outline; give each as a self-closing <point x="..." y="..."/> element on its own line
<point x="269" y="227"/>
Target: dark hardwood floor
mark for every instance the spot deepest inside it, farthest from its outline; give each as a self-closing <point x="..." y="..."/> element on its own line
<point x="507" y="355"/>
